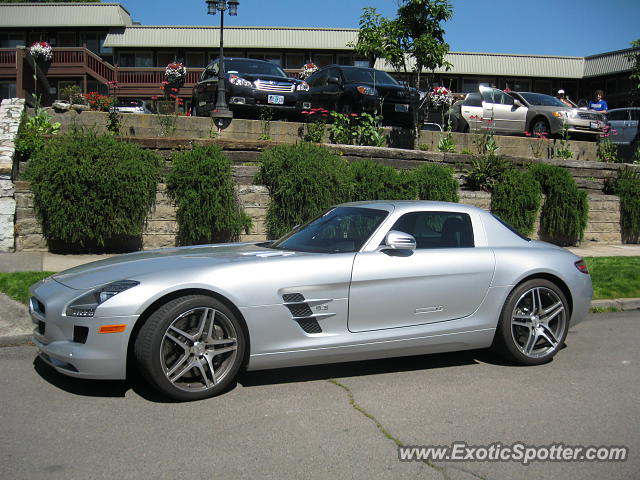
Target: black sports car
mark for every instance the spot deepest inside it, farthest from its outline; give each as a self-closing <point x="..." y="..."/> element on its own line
<point x="348" y="90"/>
<point x="251" y="86"/>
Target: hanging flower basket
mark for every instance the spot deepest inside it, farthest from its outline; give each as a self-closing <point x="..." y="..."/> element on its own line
<point x="41" y="52"/>
<point x="440" y="97"/>
<point x="175" y="73"/>
<point x="307" y="70"/>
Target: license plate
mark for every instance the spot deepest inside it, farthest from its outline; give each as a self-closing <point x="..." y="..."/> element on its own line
<point x="594" y="125"/>
<point x="402" y="107"/>
<point x="276" y="99"/>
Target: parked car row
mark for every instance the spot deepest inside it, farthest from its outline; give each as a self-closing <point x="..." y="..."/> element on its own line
<point x="252" y="85"/>
<point x="520" y="112"/>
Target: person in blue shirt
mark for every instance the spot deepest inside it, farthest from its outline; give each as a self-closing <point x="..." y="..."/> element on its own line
<point x="599" y="105"/>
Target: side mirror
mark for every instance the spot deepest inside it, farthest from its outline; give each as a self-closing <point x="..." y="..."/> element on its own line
<point x="333" y="81"/>
<point x="396" y="240"/>
<point x="517" y="103"/>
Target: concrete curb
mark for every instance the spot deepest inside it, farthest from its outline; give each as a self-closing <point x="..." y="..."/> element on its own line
<point x="15" y="340"/>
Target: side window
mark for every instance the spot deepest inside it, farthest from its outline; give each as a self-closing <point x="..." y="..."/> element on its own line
<point x="437" y="229"/>
<point x="334" y="72"/>
<point x="473" y="100"/>
<point x="505" y="98"/>
<point x="619" y="115"/>
<point x="490" y="96"/>
<point x="635" y="115"/>
<point x="319" y="79"/>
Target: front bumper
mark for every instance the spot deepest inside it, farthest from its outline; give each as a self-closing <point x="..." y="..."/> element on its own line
<point x="72" y="345"/>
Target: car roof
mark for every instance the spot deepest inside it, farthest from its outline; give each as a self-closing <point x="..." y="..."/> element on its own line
<point x="410" y="205"/>
<point x="625" y="108"/>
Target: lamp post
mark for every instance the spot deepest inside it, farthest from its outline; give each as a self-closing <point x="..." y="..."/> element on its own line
<point x="221" y="114"/>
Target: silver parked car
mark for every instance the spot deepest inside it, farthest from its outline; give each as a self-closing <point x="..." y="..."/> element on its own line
<point x="623" y="123"/>
<point x="363" y="280"/>
<point x="546" y="115"/>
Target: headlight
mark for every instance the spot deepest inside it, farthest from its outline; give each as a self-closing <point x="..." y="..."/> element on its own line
<point x="86" y="305"/>
<point x="303" y="87"/>
<point x="367" y="90"/>
<point x="241" y="82"/>
<point x="561" y="114"/>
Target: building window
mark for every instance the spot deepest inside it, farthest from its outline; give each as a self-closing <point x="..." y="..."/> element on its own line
<point x="165" y="58"/>
<point x="294" y="60"/>
<point x="95" y="42"/>
<point x="323" y="59"/>
<point x="543" y="86"/>
<point x="11" y="40"/>
<point x="515" y="84"/>
<point x="195" y="59"/>
<point x="67" y="39"/>
<point x="136" y="59"/>
<point x="361" y="62"/>
<point x="472" y="84"/>
<point x="7" y="90"/>
<point x="345" y="60"/>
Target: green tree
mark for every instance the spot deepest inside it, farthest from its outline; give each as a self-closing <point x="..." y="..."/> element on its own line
<point x="414" y="38"/>
<point x="634" y="58"/>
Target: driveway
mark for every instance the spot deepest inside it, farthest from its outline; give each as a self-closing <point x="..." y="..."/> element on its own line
<point x="340" y="421"/>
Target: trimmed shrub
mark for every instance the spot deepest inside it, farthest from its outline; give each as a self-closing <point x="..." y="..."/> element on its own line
<point x="303" y="180"/>
<point x="375" y="181"/>
<point x="92" y="192"/>
<point x="201" y="184"/>
<point x="566" y="209"/>
<point x="627" y="187"/>
<point x="436" y="182"/>
<point x="516" y="200"/>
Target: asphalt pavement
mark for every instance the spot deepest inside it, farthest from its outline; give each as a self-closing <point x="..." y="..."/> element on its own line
<point x="338" y="421"/>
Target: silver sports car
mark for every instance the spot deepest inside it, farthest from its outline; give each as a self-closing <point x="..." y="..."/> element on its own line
<point x="363" y="280"/>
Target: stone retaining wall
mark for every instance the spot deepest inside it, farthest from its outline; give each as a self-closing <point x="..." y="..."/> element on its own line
<point x="10" y="114"/>
<point x="181" y="127"/>
<point x="161" y="227"/>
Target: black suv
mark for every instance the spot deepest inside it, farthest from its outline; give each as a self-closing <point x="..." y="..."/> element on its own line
<point x="348" y="90"/>
<point x="251" y="85"/>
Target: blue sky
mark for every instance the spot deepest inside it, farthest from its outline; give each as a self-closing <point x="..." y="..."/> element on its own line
<point x="543" y="27"/>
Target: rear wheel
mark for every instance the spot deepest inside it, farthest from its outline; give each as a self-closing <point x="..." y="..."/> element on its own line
<point x="191" y="348"/>
<point x="533" y="324"/>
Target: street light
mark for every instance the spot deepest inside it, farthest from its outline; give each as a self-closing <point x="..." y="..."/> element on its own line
<point x="221" y="114"/>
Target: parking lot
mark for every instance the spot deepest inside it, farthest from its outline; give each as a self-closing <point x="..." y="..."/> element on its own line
<point x="340" y="421"/>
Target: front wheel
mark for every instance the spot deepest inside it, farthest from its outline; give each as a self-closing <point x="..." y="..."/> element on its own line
<point x="540" y="128"/>
<point x="191" y="348"/>
<point x="533" y="324"/>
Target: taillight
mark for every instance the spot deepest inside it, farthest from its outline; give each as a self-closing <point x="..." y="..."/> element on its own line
<point x="582" y="266"/>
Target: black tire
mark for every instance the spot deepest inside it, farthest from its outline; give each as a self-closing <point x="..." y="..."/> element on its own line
<point x="465" y="129"/>
<point x="533" y="324"/>
<point x="540" y="126"/>
<point x="191" y="348"/>
<point x="347" y="108"/>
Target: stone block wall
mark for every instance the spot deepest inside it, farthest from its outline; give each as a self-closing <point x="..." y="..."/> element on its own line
<point x="160" y="229"/>
<point x="10" y="113"/>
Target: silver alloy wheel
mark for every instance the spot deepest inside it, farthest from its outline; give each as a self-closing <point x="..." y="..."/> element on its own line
<point x="198" y="349"/>
<point x="538" y="322"/>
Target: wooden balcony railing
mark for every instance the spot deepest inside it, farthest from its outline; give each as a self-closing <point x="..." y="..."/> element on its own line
<point x="7" y="57"/>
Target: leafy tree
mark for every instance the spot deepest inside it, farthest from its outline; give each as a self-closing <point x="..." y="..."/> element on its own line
<point x="634" y="58"/>
<point x="415" y="37"/>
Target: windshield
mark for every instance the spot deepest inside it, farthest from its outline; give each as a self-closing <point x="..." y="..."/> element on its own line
<point x="542" y="100"/>
<point x="368" y="75"/>
<point x="248" y="66"/>
<point x="341" y="229"/>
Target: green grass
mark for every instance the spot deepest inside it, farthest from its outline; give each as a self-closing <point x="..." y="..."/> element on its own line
<point x="16" y="285"/>
<point x="613" y="277"/>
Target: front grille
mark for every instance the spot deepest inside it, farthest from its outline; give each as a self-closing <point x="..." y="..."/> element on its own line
<point x="293" y="297"/>
<point x="300" y="310"/>
<point x="309" y="325"/>
<point x="590" y="116"/>
<point x="280" y="87"/>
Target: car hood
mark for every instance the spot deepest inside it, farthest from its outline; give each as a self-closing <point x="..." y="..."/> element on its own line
<point x="252" y="77"/>
<point x="139" y="264"/>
